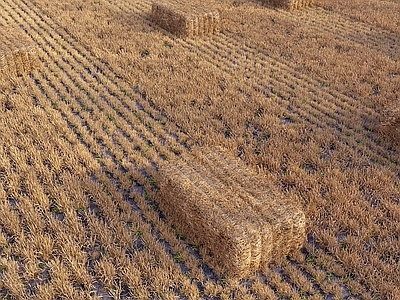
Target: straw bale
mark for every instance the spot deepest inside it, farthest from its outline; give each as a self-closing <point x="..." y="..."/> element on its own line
<point x="390" y="122"/>
<point x="185" y="19"/>
<point x="224" y="242"/>
<point x="290" y="4"/>
<point x="228" y="199"/>
<point x="271" y="225"/>
<point x="234" y="206"/>
<point x="17" y="53"/>
<point x="285" y="217"/>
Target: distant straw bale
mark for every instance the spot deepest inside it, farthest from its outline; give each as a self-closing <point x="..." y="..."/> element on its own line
<point x="390" y="124"/>
<point x="185" y="19"/>
<point x="17" y="53"/>
<point x="240" y="223"/>
<point x="290" y="4"/>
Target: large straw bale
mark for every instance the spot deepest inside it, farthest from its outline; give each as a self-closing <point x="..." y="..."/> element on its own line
<point x="285" y="216"/>
<point x="17" y="54"/>
<point x="205" y="194"/>
<point x="290" y="4"/>
<point x="224" y="242"/>
<point x="234" y="206"/>
<point x="186" y="19"/>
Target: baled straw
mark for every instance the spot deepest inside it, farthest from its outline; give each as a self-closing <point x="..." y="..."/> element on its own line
<point x="231" y="201"/>
<point x="285" y="217"/>
<point x="224" y="243"/>
<point x="390" y="123"/>
<point x="17" y="54"/>
<point x="234" y="206"/>
<point x="207" y="192"/>
<point x="290" y="4"/>
<point x="185" y="19"/>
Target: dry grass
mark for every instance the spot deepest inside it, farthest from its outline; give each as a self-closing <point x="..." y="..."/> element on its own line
<point x="383" y="14"/>
<point x="17" y="54"/>
<point x="294" y="94"/>
<point x="185" y="19"/>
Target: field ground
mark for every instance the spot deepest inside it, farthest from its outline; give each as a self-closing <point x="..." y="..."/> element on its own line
<point x="298" y="96"/>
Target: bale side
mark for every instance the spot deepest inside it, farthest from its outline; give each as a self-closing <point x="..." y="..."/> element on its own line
<point x="234" y="206"/>
<point x="390" y="123"/>
<point x="286" y="219"/>
<point x="170" y="19"/>
<point x="229" y="199"/>
<point x="224" y="243"/>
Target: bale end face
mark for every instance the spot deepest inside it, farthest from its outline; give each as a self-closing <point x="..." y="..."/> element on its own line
<point x="223" y="242"/>
<point x="186" y="20"/>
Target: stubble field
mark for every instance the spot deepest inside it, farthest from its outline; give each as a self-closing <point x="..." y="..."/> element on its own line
<point x="306" y="98"/>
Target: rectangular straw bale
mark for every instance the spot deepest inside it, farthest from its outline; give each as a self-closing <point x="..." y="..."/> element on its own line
<point x="17" y="54"/>
<point x="290" y="4"/>
<point x="286" y="219"/>
<point x="229" y="200"/>
<point x="234" y="206"/>
<point x="390" y="124"/>
<point x="185" y="19"/>
<point x="224" y="243"/>
<point x="271" y="225"/>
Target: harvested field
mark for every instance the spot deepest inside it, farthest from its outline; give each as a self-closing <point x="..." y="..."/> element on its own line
<point x="296" y="95"/>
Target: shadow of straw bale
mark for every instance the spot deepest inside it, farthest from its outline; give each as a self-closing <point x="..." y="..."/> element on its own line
<point x="17" y="53"/>
<point x="240" y="222"/>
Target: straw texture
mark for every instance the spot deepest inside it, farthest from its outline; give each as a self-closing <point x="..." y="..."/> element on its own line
<point x="185" y="19"/>
<point x="207" y="193"/>
<point x="17" y="54"/>
<point x="290" y="4"/>
<point x="224" y="243"/>
<point x="390" y="124"/>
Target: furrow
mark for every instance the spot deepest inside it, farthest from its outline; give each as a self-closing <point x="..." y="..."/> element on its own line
<point x="383" y="153"/>
<point x="86" y="135"/>
<point x="148" y="217"/>
<point x="308" y="110"/>
<point x="229" y="42"/>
